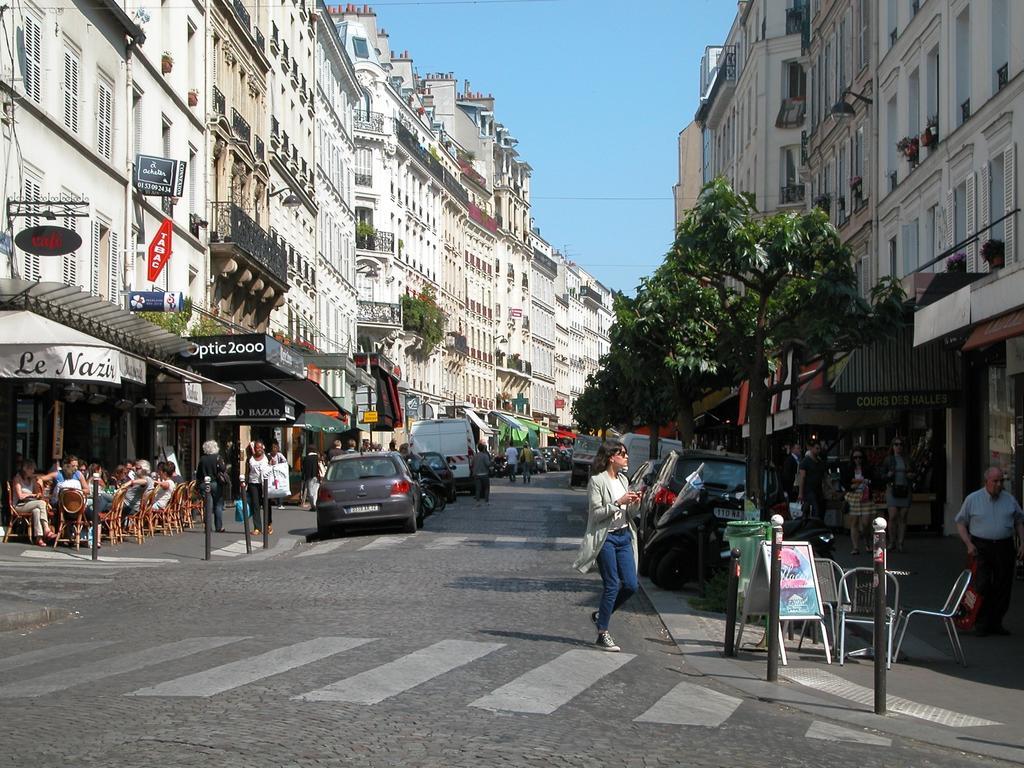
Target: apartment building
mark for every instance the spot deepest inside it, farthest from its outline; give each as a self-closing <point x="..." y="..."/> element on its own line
<point x="753" y="104"/>
<point x="543" y="274"/>
<point x="690" y="170"/>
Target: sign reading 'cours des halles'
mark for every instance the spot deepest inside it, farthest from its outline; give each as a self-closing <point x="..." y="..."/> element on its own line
<point x="159" y="176"/>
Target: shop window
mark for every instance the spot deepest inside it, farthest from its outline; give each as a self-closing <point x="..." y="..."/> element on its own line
<point x="997" y="435"/>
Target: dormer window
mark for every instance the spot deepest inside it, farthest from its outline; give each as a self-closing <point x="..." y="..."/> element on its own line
<point x="362" y="50"/>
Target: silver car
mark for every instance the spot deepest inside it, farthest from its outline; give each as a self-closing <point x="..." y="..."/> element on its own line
<point x="367" y="489"/>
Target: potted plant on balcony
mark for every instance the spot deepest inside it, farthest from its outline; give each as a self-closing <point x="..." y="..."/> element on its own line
<point x="930" y="135"/>
<point x="365" y="229"/>
<point x="994" y="253"/>
<point x="856" y="187"/>
<point x="166" y="63"/>
<point x="193" y="98"/>
<point x="824" y="202"/>
<point x="957" y="262"/>
<point x="422" y="316"/>
<point x="909" y="146"/>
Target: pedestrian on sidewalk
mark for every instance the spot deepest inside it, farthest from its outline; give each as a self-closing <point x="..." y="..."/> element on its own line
<point x="986" y="523"/>
<point x="211" y="465"/>
<point x="897" y="473"/>
<point x="337" y="450"/>
<point x="511" y="461"/>
<point x="791" y="470"/>
<point x="311" y="476"/>
<point x="257" y="467"/>
<point x="856" y="481"/>
<point x="526" y="462"/>
<point x="610" y="539"/>
<point x="811" y="482"/>
<point x="481" y="469"/>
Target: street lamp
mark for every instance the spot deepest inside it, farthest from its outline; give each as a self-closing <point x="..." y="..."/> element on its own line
<point x="843" y="109"/>
<point x="291" y="200"/>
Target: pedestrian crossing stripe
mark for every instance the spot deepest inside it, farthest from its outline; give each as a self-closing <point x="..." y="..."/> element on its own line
<point x="384" y="542"/>
<point x="323" y="549"/>
<point x="49" y="653"/>
<point x="398" y="676"/>
<point x="690" y="704"/>
<point x="86" y="555"/>
<point x="236" y="548"/>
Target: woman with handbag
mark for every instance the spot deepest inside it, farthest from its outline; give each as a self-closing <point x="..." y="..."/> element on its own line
<point x="897" y="474"/>
<point x="211" y="465"/>
<point x="856" y="481"/>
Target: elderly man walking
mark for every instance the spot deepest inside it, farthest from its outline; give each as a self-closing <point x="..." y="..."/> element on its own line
<point x="986" y="523"/>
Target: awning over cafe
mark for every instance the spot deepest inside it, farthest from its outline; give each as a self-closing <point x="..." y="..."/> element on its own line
<point x="485" y="431"/>
<point x="35" y="347"/>
<point x="564" y="434"/>
<point x="311" y="421"/>
<point x="309" y="393"/>
<point x="999" y="329"/>
<point x="189" y="394"/>
<point x="257" y="402"/>
<point x="508" y="420"/>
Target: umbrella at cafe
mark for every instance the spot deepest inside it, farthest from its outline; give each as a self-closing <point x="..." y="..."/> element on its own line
<point x="319" y="422"/>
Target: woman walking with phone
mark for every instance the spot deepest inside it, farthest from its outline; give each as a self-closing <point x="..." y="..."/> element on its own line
<point x="610" y="539"/>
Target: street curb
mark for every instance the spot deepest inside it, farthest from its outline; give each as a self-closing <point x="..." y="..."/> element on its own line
<point x="704" y="654"/>
<point x="31" y="617"/>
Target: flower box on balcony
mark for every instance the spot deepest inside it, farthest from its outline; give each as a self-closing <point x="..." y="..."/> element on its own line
<point x="193" y="98"/>
<point x="166" y="63"/>
<point x="930" y="136"/>
<point x="957" y="262"/>
<point x="909" y="146"/>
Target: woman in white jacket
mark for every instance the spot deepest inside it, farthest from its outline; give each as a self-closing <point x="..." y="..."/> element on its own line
<point x="610" y="540"/>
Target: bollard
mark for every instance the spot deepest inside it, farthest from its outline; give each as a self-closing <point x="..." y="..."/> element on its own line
<point x="730" y="604"/>
<point x="245" y="521"/>
<point x="96" y="516"/>
<point x="774" y="591"/>
<point x="207" y="513"/>
<point x="266" y="513"/>
<point x="881" y="658"/>
<point x="700" y="559"/>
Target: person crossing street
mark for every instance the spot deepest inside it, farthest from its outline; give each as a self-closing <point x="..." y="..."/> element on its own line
<point x="481" y="469"/>
<point x="511" y="461"/>
<point x="526" y="462"/>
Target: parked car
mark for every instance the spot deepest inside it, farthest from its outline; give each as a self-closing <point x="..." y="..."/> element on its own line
<point x="584" y="453"/>
<point x="367" y="489"/>
<point x="540" y="462"/>
<point x="438" y="463"/>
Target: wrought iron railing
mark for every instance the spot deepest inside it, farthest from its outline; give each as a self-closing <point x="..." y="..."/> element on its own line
<point x="379" y="242"/>
<point x="233" y="225"/>
<point x="965" y="111"/>
<point x="261" y="43"/>
<point x="457" y="343"/>
<point x="408" y="140"/>
<point x="275" y="126"/>
<point x="240" y="126"/>
<point x="379" y="313"/>
<point x="587" y="292"/>
<point x="219" y="102"/>
<point x="243" y="15"/>
<point x="364" y="180"/>
<point x="791" y="193"/>
<point x="794" y="21"/>
<point x="259" y="148"/>
<point x="368" y="121"/>
<point x="1002" y="76"/>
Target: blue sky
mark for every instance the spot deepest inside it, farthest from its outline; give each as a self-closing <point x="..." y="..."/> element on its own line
<point x="596" y="91"/>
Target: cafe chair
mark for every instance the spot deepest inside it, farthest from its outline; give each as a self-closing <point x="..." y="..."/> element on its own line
<point x="947" y="614"/>
<point x="111" y="519"/>
<point x="139" y="521"/>
<point x="16" y="517"/>
<point x="71" y="519"/>
<point x="856" y="592"/>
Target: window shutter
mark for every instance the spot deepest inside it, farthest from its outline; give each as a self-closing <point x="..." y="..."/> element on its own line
<point x="69" y="262"/>
<point x="972" y="222"/>
<point x="984" y="198"/>
<point x="115" y="269"/>
<point x="32" y="72"/>
<point x="104" y="119"/>
<point x="950" y="203"/>
<point x="94" y="260"/>
<point x="1010" y="202"/>
<point x="70" y="91"/>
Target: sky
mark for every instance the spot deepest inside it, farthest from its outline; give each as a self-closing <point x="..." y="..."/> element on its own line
<point x="596" y="91"/>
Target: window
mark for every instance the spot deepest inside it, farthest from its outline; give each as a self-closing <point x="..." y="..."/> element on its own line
<point x="33" y="191"/>
<point x="193" y="181"/>
<point x="996" y="186"/>
<point x="910" y="252"/>
<point x="914" y="104"/>
<point x="963" y="66"/>
<point x="104" y="117"/>
<point x="795" y="85"/>
<point x="1000" y="43"/>
<point x="362" y="50"/>
<point x="892" y="256"/>
<point x="863" y="32"/>
<point x="71" y="93"/>
<point x="960" y="213"/>
<point x="69" y="262"/>
<point x="31" y="68"/>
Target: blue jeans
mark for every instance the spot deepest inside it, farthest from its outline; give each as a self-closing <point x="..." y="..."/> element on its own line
<point x="524" y="470"/>
<point x="511" y="471"/>
<point x="618" y="572"/>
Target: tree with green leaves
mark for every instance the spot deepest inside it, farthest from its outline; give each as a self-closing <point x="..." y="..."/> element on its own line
<point x="783" y="281"/>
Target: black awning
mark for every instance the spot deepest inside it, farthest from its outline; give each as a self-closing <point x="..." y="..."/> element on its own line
<point x="893" y="373"/>
<point x="257" y="402"/>
<point x="307" y="392"/>
<point x="244" y="357"/>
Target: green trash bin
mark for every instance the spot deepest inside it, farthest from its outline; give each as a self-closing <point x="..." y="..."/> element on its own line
<point x="746" y="536"/>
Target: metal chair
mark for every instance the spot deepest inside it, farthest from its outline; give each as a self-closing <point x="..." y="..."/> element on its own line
<point x="856" y="590"/>
<point x="16" y="516"/>
<point x="947" y="614"/>
<point x="830" y="574"/>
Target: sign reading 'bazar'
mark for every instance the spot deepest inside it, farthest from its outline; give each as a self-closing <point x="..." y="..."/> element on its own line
<point x="48" y="240"/>
<point x="159" y="176"/>
<point x="859" y="401"/>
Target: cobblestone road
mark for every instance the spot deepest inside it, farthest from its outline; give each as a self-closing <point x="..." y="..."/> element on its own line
<point x="467" y="644"/>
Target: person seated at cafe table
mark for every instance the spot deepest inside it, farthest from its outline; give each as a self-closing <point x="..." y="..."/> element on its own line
<point x="172" y="472"/>
<point x="28" y="499"/>
<point x="137" y="488"/>
<point x="164" y="485"/>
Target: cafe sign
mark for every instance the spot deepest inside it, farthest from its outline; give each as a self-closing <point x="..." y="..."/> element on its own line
<point x="865" y="401"/>
<point x="101" y="365"/>
<point x="48" y="240"/>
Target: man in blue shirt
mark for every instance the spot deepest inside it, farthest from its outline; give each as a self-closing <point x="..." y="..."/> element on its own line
<point x="986" y="523"/>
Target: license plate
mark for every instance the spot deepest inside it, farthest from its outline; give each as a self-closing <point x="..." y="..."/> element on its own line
<point x="363" y="508"/>
<point x="727" y="513"/>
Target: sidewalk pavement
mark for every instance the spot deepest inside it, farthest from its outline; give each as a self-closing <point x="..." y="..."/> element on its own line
<point x="292" y="525"/>
<point x="930" y="698"/>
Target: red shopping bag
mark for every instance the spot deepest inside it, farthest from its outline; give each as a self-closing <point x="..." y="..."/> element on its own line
<point x="971" y="603"/>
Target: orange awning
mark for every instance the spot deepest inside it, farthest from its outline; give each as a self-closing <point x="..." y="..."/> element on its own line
<point x="1001" y="328"/>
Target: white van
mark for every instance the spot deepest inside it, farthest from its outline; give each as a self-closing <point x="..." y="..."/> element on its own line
<point x="452" y="438"/>
<point x="639" y="447"/>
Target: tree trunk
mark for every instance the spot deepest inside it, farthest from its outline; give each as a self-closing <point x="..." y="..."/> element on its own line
<point x="655" y="434"/>
<point x="757" y="415"/>
<point x="684" y="423"/>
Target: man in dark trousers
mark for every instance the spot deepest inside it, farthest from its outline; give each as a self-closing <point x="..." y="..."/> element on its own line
<point x="311" y="476"/>
<point x="811" y="482"/>
<point x="790" y="469"/>
<point x="986" y="523"/>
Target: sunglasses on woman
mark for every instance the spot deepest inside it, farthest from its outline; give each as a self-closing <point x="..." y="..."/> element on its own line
<point x="858" y="457"/>
<point x="622" y="452"/>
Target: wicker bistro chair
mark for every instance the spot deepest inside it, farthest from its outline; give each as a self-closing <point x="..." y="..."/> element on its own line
<point x="856" y="590"/>
<point x="947" y="614"/>
<point x="139" y="523"/>
<point x="196" y="504"/>
<point x="172" y="516"/>
<point x="16" y="516"/>
<point x="71" y="516"/>
<point x="111" y="519"/>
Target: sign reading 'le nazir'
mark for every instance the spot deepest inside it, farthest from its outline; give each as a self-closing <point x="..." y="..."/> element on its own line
<point x="159" y="176"/>
<point x="859" y="401"/>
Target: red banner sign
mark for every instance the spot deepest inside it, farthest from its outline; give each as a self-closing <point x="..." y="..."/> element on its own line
<point x="159" y="250"/>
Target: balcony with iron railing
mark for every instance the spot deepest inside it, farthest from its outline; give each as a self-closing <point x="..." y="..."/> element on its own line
<point x="232" y="226"/>
<point x="965" y="111"/>
<point x="1002" y="77"/>
<point x="379" y="313"/>
<point x="378" y="242"/>
<point x="219" y="102"/>
<point x="259" y="148"/>
<point x="371" y="122"/>
<point x="364" y="180"/>
<point x="791" y="194"/>
<point x="261" y="43"/>
<point x="794" y="21"/>
<point x="243" y="15"/>
<point x="588" y="293"/>
<point x="457" y="343"/>
<point x="240" y="126"/>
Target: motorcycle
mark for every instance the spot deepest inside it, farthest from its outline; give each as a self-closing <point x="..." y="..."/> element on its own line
<point x="433" y="490"/>
<point x="670" y="555"/>
<point x="498" y="466"/>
